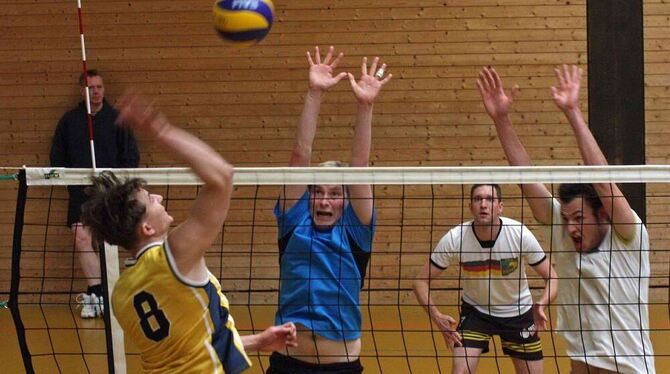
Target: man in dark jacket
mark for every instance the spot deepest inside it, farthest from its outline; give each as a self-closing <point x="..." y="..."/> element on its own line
<point x="115" y="147"/>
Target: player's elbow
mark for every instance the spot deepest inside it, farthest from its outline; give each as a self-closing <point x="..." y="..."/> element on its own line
<point x="223" y="177"/>
<point x="227" y="173"/>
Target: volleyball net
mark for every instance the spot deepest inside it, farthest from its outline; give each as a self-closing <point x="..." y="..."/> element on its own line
<point x="415" y="208"/>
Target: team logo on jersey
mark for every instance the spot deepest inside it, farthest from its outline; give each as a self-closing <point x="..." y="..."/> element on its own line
<point x="508" y="265"/>
<point x="528" y="331"/>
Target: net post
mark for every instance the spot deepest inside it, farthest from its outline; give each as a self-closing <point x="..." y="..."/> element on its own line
<point x="13" y="302"/>
<point x="109" y="271"/>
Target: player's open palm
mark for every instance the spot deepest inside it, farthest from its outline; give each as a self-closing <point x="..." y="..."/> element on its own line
<point x="566" y="94"/>
<point x="447" y="325"/>
<point x="371" y="81"/>
<point x="321" y="72"/>
<point x="497" y="101"/>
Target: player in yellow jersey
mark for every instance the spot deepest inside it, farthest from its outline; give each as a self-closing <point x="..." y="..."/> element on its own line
<point x="168" y="302"/>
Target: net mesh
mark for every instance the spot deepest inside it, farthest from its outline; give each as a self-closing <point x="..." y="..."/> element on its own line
<point x="415" y="208"/>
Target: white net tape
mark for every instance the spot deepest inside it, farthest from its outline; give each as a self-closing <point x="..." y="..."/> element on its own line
<point x="373" y="175"/>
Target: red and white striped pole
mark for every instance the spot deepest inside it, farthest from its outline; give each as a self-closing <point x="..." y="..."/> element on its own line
<point x="88" y="100"/>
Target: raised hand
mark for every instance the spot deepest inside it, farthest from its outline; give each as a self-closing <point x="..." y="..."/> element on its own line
<point x="139" y="114"/>
<point x="368" y="86"/>
<point x="448" y="327"/>
<point x="566" y="95"/>
<point x="321" y="72"/>
<point x="497" y="101"/>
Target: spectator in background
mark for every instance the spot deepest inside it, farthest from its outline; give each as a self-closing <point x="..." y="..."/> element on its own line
<point x="115" y="147"/>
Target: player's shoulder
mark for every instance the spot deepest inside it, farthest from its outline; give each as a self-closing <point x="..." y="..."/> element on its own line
<point x="507" y="221"/>
<point x="513" y="225"/>
<point x="148" y="260"/>
<point x="460" y="228"/>
<point x="456" y="233"/>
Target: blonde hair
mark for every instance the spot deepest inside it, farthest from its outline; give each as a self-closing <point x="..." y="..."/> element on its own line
<point x="334" y="164"/>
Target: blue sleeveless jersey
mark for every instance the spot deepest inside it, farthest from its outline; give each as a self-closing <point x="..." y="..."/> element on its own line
<point x="177" y="325"/>
<point x="322" y="272"/>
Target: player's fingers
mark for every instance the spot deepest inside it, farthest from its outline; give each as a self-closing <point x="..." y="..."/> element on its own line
<point x="352" y="80"/>
<point x="379" y="73"/>
<point x="565" y="74"/>
<point x="456" y="338"/>
<point x="128" y="97"/>
<point x="329" y="55"/>
<point x="364" y="66"/>
<point x="373" y="67"/>
<point x="388" y="78"/>
<point x="480" y="86"/>
<point x="482" y="82"/>
<point x="338" y="77"/>
<point x="317" y="55"/>
<point x="489" y="79"/>
<point x="514" y="91"/>
<point x="496" y="78"/>
<point x="130" y="107"/>
<point x="559" y="77"/>
<point x="309" y="58"/>
<point x="149" y="107"/>
<point x="337" y="60"/>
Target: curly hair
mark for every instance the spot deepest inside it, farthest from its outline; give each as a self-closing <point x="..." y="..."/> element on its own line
<point x="569" y="191"/>
<point x="112" y="212"/>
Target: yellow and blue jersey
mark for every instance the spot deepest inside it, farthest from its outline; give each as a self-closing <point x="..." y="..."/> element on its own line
<point x="177" y="324"/>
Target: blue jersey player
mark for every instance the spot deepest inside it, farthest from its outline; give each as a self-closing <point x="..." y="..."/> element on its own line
<point x="325" y="236"/>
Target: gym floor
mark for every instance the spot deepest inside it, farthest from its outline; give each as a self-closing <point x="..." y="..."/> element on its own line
<point x="395" y="340"/>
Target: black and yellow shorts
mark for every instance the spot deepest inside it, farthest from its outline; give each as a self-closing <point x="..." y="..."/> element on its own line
<point x="518" y="334"/>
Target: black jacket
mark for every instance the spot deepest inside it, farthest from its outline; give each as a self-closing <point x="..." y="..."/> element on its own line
<point x="115" y="147"/>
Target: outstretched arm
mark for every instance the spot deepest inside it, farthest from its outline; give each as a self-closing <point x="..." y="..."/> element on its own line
<point x="321" y="79"/>
<point x="446" y="323"/>
<point x="366" y="90"/>
<point x="274" y="338"/>
<point x="193" y="237"/>
<point x="498" y="103"/>
<point x="566" y="98"/>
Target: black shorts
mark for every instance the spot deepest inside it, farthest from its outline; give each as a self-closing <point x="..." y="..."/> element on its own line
<point x="518" y="334"/>
<point x="77" y="199"/>
<point x="280" y="364"/>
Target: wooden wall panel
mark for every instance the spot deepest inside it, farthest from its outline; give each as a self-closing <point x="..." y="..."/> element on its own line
<point x="246" y="103"/>
<point x="657" y="118"/>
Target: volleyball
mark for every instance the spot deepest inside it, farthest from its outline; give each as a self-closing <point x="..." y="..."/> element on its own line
<point x="243" y="22"/>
